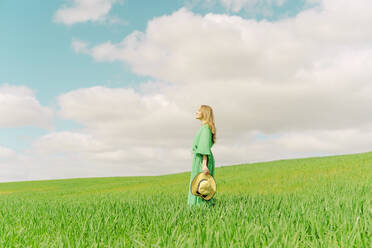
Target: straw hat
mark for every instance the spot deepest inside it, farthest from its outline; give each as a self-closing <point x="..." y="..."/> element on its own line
<point x="204" y="186"/>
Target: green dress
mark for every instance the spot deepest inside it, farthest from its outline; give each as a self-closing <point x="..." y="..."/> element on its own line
<point x="202" y="145"/>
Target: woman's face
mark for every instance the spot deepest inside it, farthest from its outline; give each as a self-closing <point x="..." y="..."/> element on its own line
<point x="198" y="114"/>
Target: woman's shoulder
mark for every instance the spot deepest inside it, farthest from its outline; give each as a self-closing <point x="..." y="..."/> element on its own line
<point x="206" y="127"/>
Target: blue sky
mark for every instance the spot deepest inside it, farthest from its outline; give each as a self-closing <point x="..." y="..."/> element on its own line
<point x="110" y="87"/>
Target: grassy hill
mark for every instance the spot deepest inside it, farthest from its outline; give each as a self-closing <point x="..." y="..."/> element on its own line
<point x="311" y="202"/>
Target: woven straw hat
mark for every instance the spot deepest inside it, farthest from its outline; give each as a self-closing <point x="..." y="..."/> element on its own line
<point x="204" y="186"/>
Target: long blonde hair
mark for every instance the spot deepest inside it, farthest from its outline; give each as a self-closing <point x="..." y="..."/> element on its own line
<point x="208" y="117"/>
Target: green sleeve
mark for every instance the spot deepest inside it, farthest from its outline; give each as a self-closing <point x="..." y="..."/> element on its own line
<point x="205" y="142"/>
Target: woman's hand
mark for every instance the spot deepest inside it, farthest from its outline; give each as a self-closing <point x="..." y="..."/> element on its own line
<point x="206" y="170"/>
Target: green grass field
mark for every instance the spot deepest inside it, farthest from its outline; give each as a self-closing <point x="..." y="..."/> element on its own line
<point x="312" y="202"/>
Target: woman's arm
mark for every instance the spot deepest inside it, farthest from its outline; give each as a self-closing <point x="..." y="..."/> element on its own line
<point x="205" y="162"/>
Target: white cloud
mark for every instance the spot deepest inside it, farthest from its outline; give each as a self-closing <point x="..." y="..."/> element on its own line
<point x="86" y="10"/>
<point x="80" y="46"/>
<point x="13" y="166"/>
<point x="288" y="145"/>
<point x="188" y="47"/>
<point x="307" y="72"/>
<point x="124" y="111"/>
<point x="136" y="160"/>
<point x="117" y="20"/>
<point x="261" y="6"/>
<point x="19" y="107"/>
<point x="253" y="8"/>
<point x="66" y="141"/>
<point x="6" y="153"/>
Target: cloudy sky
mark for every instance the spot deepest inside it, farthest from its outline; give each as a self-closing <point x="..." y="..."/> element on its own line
<point x="92" y="88"/>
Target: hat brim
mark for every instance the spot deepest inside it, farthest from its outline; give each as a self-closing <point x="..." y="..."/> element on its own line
<point x="196" y="180"/>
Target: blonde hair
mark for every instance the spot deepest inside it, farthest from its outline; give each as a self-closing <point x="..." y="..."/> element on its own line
<point x="208" y="117"/>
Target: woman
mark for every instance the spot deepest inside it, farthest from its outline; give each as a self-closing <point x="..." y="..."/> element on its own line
<point x="203" y="160"/>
